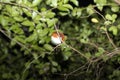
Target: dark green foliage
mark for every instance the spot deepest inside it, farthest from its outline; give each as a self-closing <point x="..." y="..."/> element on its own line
<point x="91" y="51"/>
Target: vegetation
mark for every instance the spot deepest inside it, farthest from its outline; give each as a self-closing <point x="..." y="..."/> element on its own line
<point x="90" y="52"/>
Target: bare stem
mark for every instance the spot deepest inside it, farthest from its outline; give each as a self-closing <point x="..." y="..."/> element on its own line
<point x="110" y="40"/>
<point x="100" y="14"/>
<point x="77" y="51"/>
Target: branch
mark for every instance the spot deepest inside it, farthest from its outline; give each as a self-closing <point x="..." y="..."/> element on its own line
<point x="117" y="1"/>
<point x="110" y="40"/>
<point x="108" y="55"/>
<point x="22" y="45"/>
<point x="67" y="75"/>
<point x="22" y="6"/>
<point x="32" y="61"/>
<point x="77" y="51"/>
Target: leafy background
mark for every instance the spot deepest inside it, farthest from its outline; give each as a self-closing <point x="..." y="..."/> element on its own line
<point x="90" y="52"/>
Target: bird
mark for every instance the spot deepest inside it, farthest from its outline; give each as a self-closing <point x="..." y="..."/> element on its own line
<point x="57" y="38"/>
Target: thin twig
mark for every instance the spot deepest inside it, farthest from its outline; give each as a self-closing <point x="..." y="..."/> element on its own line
<point x="38" y="58"/>
<point x="108" y="36"/>
<point x="58" y="33"/>
<point x="108" y="55"/>
<point x="100" y="14"/>
<point x="77" y="51"/>
<point x="98" y="70"/>
<point x="26" y="7"/>
<point x="67" y="75"/>
<point x="111" y="41"/>
<point x="70" y="46"/>
<point x="22" y="45"/>
<point x="22" y="6"/>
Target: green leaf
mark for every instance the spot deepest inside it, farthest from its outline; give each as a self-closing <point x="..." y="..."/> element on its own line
<point x="100" y="3"/>
<point x="84" y="40"/>
<point x="31" y="28"/>
<point x="27" y="65"/>
<point x="114" y="29"/>
<point x="48" y="47"/>
<point x="68" y="6"/>
<point x="88" y="55"/>
<point x="51" y="22"/>
<point x="36" y="18"/>
<point x="90" y="9"/>
<point x="31" y="38"/>
<point x="8" y="8"/>
<point x="62" y="8"/>
<point x="35" y="56"/>
<point x="75" y="2"/>
<point x="3" y="20"/>
<point x="36" y="2"/>
<point x="98" y="54"/>
<point x="77" y="12"/>
<point x="20" y="39"/>
<point x="65" y="1"/>
<point x="115" y="8"/>
<point x="1" y="7"/>
<point x="100" y="7"/>
<point x="42" y="41"/>
<point x="66" y="55"/>
<point x="49" y="14"/>
<point x="19" y="1"/>
<point x="34" y="15"/>
<point x="42" y="33"/>
<point x="74" y="12"/>
<point x="5" y="0"/>
<point x="19" y="18"/>
<point x="38" y="48"/>
<point x="13" y="10"/>
<point x="54" y="3"/>
<point x="101" y="50"/>
<point x="26" y="2"/>
<point x="107" y="22"/>
<point x="103" y="28"/>
<point x="6" y="75"/>
<point x="65" y="48"/>
<point x="17" y="76"/>
<point x="108" y="16"/>
<point x="27" y="23"/>
<point x="114" y="16"/>
<point x="54" y="63"/>
<point x="54" y="69"/>
<point x="13" y="42"/>
<point x="27" y="12"/>
<point x="16" y="29"/>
